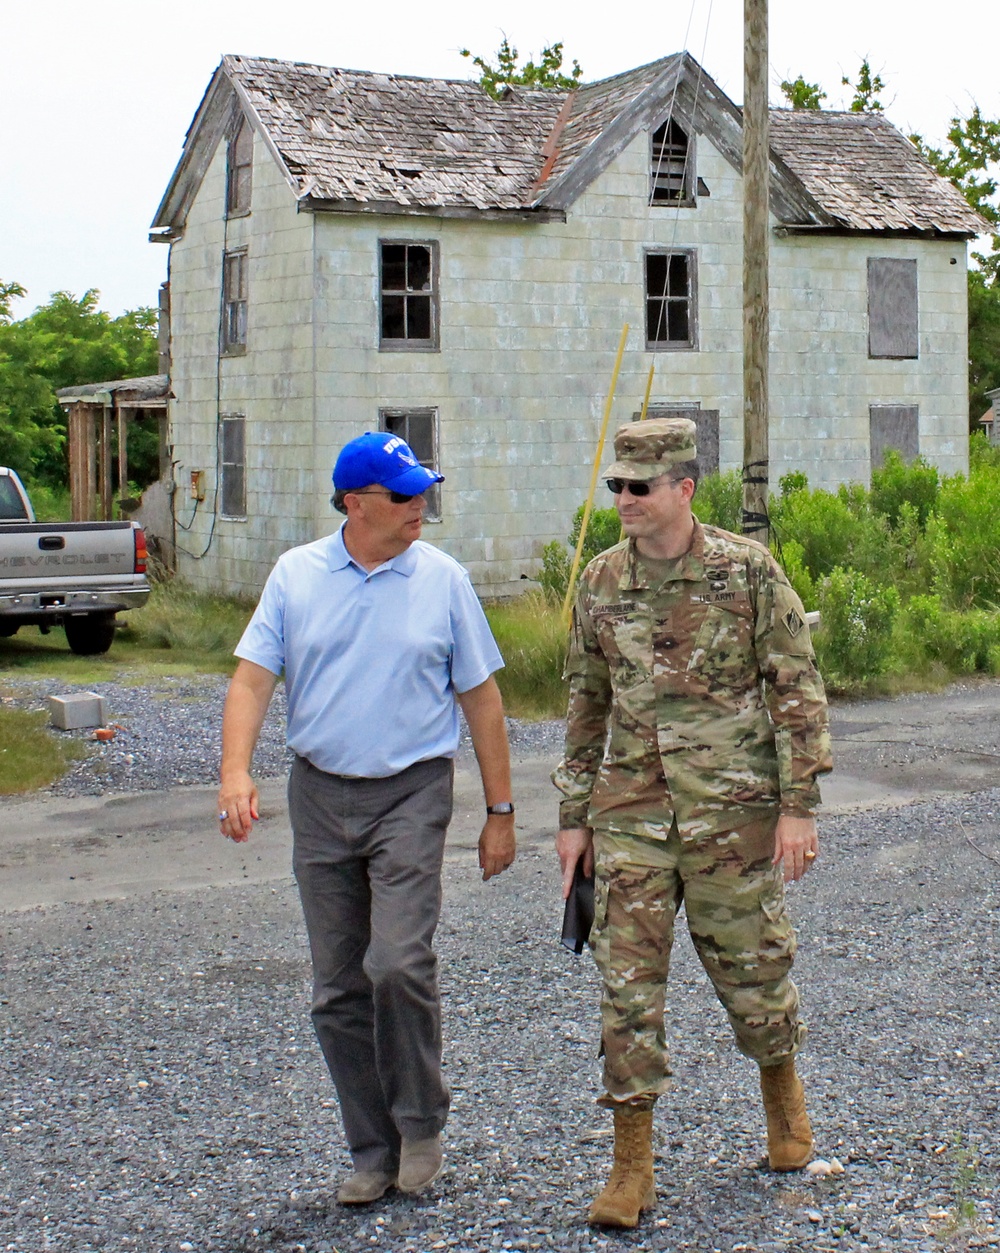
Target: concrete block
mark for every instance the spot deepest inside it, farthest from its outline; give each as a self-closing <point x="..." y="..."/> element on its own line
<point x="82" y="709"/>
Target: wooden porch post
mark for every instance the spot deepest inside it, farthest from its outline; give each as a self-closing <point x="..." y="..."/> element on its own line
<point x="106" y="493"/>
<point x="82" y="468"/>
<point x="124" y="414"/>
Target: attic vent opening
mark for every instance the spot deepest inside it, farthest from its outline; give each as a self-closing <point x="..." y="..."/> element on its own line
<point x="671" y="165"/>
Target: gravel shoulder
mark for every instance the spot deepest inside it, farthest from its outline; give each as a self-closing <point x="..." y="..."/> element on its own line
<point x="163" y="1091"/>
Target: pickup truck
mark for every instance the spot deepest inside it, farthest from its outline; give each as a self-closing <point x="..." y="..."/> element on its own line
<point x="76" y="575"/>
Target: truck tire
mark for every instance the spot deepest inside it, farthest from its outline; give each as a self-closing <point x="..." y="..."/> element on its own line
<point x="90" y="634"/>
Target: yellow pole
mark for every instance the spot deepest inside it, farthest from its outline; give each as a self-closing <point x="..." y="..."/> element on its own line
<point x="598" y="457"/>
<point x="649" y="388"/>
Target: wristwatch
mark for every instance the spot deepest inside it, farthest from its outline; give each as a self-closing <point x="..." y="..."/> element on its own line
<point x="501" y="807"/>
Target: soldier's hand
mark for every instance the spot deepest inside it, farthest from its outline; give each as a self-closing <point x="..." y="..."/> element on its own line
<point x="796" y="845"/>
<point x="572" y="843"/>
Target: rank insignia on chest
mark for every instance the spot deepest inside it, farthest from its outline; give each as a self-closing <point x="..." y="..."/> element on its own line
<point x="793" y="622"/>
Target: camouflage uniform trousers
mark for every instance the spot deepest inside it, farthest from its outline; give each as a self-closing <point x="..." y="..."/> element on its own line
<point x="735" y="903"/>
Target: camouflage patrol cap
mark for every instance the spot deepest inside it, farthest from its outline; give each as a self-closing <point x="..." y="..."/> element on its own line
<point x="645" y="450"/>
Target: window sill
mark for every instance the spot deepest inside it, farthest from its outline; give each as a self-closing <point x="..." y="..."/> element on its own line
<point x="408" y="345"/>
<point x="234" y="350"/>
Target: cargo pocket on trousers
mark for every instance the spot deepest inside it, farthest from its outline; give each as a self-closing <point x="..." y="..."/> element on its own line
<point x="777" y="935"/>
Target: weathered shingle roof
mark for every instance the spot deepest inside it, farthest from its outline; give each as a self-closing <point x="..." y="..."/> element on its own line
<point x="867" y="175"/>
<point x="347" y="135"/>
<point x="349" y="139"/>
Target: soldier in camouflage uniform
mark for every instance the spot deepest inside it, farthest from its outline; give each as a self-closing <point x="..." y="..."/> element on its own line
<point x="696" y="729"/>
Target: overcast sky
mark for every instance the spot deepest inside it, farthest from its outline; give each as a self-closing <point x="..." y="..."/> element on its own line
<point x="95" y="98"/>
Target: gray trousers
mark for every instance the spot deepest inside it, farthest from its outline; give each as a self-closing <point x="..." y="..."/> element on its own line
<point x="367" y="859"/>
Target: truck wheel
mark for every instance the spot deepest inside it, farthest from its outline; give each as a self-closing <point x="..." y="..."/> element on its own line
<point x="92" y="633"/>
<point x="7" y="629"/>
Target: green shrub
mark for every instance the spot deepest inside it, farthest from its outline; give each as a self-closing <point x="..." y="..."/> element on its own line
<point x="897" y="483"/>
<point x="792" y="560"/>
<point x="856" y="617"/>
<point x="963" y="642"/>
<point x="719" y="500"/>
<point x="966" y="538"/>
<point x="603" y="531"/>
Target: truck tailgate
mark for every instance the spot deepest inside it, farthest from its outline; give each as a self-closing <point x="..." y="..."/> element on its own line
<point x="39" y="551"/>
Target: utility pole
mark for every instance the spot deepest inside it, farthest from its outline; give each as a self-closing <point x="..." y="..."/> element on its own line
<point x="756" y="320"/>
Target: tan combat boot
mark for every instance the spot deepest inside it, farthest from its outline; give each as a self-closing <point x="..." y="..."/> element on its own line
<point x="630" y="1188"/>
<point x="789" y="1136"/>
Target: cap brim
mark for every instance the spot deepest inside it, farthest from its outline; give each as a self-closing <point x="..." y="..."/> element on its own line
<point x="414" y="481"/>
<point x="634" y="471"/>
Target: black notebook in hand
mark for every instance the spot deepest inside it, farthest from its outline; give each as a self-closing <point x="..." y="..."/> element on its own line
<point x="578" y="916"/>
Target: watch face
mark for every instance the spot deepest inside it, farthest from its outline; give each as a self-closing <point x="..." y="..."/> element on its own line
<point x="504" y="807"/>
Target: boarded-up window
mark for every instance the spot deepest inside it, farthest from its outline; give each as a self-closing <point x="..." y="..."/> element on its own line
<point x="707" y="437"/>
<point x="235" y="269"/>
<point x="419" y="427"/>
<point x="239" y="170"/>
<point x="671" y="173"/>
<point x="671" y="300"/>
<point x="892" y="308"/>
<point x="408" y="300"/>
<point x="894" y="426"/>
<point x="233" y="465"/>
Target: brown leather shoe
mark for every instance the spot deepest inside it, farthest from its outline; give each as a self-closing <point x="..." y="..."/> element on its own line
<point x="789" y="1135"/>
<point x="630" y="1188"/>
<point x="365" y="1186"/>
<point x="420" y="1163"/>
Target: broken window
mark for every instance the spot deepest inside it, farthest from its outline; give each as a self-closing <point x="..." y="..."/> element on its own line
<point x="233" y="465"/>
<point x="419" y="428"/>
<point x="235" y="268"/>
<point x="239" y="170"/>
<point x="408" y="313"/>
<point x="671" y="305"/>
<point x="893" y="426"/>
<point x="892" y="308"/>
<point x="671" y="178"/>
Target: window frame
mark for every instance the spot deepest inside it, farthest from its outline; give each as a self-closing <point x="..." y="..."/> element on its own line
<point x="397" y="343"/>
<point x="228" y="420"/>
<point x="689" y="183"/>
<point x="233" y="331"/>
<point x="691" y="343"/>
<point x="433" y="512"/>
<point x="238" y="206"/>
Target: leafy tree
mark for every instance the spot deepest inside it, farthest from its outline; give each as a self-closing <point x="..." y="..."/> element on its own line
<point x="66" y="341"/>
<point x="803" y="95"/>
<point x="866" y="90"/>
<point x="971" y="159"/>
<point x="547" y="73"/>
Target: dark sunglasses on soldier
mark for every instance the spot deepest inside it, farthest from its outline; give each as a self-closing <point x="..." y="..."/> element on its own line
<point x="636" y="486"/>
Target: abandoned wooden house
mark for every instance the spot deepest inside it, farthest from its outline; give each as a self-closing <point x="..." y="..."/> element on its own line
<point x="353" y="251"/>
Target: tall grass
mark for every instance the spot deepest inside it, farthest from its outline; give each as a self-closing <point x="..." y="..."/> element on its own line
<point x="530" y="635"/>
<point x="189" y="623"/>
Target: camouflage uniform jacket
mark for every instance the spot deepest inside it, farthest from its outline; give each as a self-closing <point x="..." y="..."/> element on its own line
<point x="694" y="695"/>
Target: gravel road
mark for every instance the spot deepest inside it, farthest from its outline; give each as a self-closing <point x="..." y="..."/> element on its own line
<point x="162" y="1089"/>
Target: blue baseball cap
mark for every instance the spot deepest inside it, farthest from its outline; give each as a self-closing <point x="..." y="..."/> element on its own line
<point x="383" y="458"/>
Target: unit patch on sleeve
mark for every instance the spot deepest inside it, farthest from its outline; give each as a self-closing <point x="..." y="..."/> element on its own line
<point x="793" y="622"/>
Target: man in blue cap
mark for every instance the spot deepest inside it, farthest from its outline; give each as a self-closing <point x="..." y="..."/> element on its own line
<point x="380" y="637"/>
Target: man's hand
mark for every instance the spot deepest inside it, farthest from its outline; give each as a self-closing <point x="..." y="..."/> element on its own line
<point x="796" y="845"/>
<point x="238" y="799"/>
<point x="572" y="843"/>
<point x="497" y="845"/>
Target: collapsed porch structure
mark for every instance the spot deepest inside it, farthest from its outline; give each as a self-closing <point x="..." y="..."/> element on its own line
<point x="95" y="412"/>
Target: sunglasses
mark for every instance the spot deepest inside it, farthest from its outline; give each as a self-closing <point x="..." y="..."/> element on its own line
<point x="638" y="487"/>
<point x="397" y="498"/>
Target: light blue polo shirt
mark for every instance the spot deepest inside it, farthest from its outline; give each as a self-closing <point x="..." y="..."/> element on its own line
<point x="372" y="661"/>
